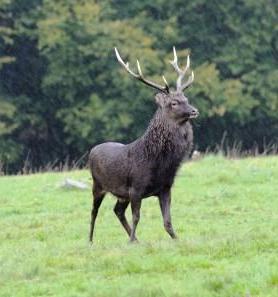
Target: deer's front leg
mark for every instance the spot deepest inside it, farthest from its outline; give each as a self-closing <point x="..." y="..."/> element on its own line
<point x="165" y="204"/>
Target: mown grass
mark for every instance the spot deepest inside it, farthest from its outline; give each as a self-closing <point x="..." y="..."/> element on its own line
<point x="224" y="211"/>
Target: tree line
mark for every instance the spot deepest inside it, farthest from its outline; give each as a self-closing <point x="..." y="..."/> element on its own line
<point x="62" y="91"/>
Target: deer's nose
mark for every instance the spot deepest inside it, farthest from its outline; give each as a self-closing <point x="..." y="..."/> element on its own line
<point x="194" y="113"/>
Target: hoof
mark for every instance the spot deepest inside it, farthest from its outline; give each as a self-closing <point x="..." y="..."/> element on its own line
<point x="132" y="241"/>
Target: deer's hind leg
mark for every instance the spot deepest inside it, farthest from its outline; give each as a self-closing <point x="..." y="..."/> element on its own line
<point x="98" y="195"/>
<point x="119" y="210"/>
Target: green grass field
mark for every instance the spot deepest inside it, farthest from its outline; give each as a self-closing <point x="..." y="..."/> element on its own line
<point x="224" y="211"/>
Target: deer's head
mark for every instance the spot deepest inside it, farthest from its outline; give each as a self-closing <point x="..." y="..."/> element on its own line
<point x="173" y="102"/>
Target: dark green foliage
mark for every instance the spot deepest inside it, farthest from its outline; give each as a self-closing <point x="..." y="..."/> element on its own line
<point x="61" y="90"/>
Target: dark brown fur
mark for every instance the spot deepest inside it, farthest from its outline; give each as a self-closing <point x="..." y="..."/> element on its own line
<point x="147" y="166"/>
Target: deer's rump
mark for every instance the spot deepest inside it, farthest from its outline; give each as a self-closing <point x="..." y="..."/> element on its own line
<point x="110" y="166"/>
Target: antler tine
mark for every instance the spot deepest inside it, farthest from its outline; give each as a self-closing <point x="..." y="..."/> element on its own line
<point x="165" y="81"/>
<point x="125" y="65"/>
<point x="139" y="76"/>
<point x="139" y="69"/>
<point x="181" y="73"/>
<point x="175" y="62"/>
<point x="189" y="82"/>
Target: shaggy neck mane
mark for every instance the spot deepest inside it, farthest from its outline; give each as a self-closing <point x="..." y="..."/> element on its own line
<point x="163" y="137"/>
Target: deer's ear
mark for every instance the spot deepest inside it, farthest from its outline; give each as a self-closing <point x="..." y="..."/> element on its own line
<point x="161" y="99"/>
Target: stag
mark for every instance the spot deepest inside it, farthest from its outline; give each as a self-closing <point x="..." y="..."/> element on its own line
<point x="147" y="166"/>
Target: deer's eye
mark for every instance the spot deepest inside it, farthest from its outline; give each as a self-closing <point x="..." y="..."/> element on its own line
<point x="174" y="103"/>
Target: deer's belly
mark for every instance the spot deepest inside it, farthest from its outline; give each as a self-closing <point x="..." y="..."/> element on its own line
<point x="153" y="184"/>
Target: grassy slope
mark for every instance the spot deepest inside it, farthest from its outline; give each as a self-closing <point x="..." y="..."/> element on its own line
<point x="225" y="213"/>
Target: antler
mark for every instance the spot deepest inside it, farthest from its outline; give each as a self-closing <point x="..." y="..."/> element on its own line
<point x="181" y="73"/>
<point x="139" y="76"/>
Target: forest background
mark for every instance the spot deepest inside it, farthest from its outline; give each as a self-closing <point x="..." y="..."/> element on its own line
<point x="62" y="91"/>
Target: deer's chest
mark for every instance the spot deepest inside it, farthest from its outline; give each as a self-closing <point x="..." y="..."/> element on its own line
<point x="159" y="175"/>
